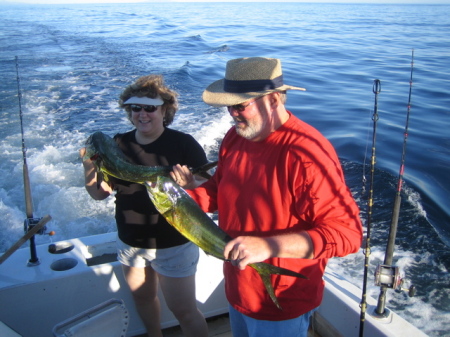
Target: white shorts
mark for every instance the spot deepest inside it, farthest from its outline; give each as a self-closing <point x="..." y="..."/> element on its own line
<point x="178" y="261"/>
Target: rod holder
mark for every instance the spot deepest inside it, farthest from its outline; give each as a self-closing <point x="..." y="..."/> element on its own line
<point x="28" y="224"/>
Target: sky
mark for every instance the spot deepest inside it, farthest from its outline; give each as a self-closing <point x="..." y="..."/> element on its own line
<point x="136" y="1"/>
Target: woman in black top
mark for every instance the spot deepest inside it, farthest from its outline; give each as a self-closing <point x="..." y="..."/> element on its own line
<point x="152" y="251"/>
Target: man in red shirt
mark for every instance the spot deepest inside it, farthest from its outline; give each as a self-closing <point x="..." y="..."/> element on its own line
<point x="280" y="192"/>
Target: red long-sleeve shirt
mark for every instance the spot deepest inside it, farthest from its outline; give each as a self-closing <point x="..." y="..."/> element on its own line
<point x="289" y="182"/>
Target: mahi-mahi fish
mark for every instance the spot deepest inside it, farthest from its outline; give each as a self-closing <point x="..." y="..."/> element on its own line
<point x="183" y="213"/>
<point x="109" y="160"/>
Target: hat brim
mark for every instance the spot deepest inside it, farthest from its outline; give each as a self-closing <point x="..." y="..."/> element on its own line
<point x="215" y="95"/>
<point x="144" y="100"/>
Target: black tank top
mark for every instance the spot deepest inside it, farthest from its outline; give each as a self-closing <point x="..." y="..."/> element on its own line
<point x="138" y="222"/>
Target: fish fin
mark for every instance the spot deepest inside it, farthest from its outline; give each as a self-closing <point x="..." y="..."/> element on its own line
<point x="202" y="171"/>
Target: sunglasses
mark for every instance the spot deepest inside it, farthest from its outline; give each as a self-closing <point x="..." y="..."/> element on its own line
<point x="147" y="108"/>
<point x="241" y="107"/>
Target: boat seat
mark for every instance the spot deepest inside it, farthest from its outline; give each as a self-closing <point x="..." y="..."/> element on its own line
<point x="108" y="319"/>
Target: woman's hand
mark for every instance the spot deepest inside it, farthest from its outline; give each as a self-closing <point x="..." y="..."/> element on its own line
<point x="184" y="177"/>
<point x="82" y="152"/>
<point x="98" y="190"/>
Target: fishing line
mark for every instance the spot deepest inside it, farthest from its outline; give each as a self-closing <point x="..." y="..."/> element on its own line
<point x="387" y="271"/>
<point x="376" y="90"/>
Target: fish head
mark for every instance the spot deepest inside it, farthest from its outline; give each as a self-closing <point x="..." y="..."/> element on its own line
<point x="164" y="194"/>
<point x="95" y="145"/>
<point x="90" y="149"/>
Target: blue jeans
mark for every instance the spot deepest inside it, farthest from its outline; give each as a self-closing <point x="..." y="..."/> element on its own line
<point x="244" y="326"/>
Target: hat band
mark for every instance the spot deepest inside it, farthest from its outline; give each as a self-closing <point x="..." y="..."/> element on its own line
<point x="252" y="85"/>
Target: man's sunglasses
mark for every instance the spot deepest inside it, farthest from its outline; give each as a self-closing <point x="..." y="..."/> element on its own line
<point x="147" y="108"/>
<point x="241" y="107"/>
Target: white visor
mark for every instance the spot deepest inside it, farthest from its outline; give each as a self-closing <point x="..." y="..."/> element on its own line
<point x="144" y="100"/>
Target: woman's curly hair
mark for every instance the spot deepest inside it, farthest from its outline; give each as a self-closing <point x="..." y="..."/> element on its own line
<point x="151" y="86"/>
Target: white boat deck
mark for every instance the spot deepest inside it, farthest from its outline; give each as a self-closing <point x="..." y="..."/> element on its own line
<point x="65" y="284"/>
<point x="218" y="326"/>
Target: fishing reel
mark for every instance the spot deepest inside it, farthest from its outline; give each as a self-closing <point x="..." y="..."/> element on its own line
<point x="29" y="223"/>
<point x="389" y="277"/>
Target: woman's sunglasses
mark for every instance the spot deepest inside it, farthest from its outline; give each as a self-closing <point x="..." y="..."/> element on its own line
<point x="147" y="108"/>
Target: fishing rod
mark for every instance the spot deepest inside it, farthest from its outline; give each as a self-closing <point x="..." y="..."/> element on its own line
<point x="376" y="90"/>
<point x="30" y="221"/>
<point x="26" y="178"/>
<point x="386" y="275"/>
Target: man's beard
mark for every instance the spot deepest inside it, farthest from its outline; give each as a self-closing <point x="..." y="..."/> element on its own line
<point x="251" y="130"/>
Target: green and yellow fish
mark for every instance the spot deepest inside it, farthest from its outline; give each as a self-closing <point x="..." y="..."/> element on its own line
<point x="183" y="213"/>
<point x="172" y="201"/>
<point x="109" y="160"/>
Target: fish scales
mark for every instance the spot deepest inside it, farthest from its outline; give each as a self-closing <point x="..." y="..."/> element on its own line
<point x="183" y="213"/>
<point x="109" y="160"/>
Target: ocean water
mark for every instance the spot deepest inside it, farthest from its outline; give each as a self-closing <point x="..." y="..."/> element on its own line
<point x="74" y="60"/>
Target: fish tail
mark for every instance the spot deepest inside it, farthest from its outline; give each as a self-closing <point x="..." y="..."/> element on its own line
<point x="268" y="284"/>
<point x="202" y="171"/>
<point x="283" y="271"/>
<point x="265" y="270"/>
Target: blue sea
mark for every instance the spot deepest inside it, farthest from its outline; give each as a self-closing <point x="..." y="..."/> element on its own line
<point x="74" y="61"/>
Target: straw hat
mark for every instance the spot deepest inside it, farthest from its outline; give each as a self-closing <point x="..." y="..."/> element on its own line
<point x="246" y="78"/>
